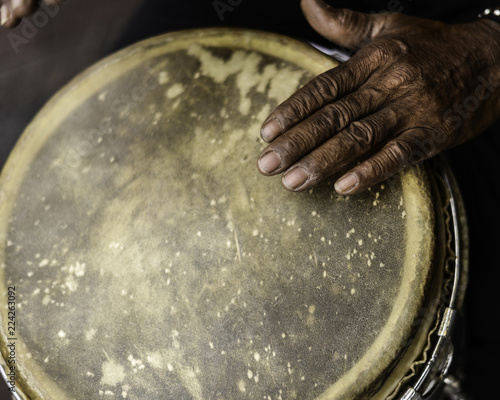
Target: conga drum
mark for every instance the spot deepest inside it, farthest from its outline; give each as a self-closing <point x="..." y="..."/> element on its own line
<point x="144" y="257"/>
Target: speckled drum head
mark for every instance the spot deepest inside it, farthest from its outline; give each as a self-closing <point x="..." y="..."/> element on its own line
<point x="146" y="258"/>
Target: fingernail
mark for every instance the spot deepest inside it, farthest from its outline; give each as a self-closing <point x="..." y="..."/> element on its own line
<point x="346" y="183"/>
<point x="295" y="178"/>
<point x="269" y="162"/>
<point x="5" y="12"/>
<point x="271" y="130"/>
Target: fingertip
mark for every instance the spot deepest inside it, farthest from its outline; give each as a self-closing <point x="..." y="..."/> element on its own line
<point x="269" y="162"/>
<point x="7" y="19"/>
<point x="22" y="8"/>
<point x="347" y="184"/>
<point x="4" y="15"/>
<point x="271" y="129"/>
<point x="10" y="22"/>
<point x="294" y="179"/>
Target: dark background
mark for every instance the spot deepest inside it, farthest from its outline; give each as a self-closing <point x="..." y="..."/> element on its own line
<point x="83" y="31"/>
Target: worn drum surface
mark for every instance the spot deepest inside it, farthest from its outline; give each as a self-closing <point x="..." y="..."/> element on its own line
<point x="151" y="260"/>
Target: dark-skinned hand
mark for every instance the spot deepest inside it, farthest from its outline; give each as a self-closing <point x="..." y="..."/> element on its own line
<point x="414" y="88"/>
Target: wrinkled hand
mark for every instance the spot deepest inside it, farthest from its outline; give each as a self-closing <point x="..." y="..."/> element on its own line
<point x="415" y="88"/>
<point x="12" y="11"/>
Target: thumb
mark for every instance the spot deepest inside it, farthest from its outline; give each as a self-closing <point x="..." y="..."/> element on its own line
<point x="342" y="26"/>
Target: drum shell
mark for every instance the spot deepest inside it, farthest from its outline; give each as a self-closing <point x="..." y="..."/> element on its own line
<point x="35" y="138"/>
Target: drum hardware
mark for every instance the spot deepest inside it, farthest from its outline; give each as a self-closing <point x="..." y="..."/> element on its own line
<point x="437" y="378"/>
<point x="337" y="53"/>
<point x="3" y="375"/>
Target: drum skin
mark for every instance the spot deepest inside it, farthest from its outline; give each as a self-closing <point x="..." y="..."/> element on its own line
<point x="152" y="261"/>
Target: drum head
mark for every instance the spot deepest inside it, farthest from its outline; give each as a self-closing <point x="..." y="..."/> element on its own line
<point x="151" y="260"/>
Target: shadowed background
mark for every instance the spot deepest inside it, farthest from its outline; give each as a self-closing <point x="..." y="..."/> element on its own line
<point x="37" y="59"/>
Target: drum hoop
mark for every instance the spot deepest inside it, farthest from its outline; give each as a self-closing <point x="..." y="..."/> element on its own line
<point x="14" y="394"/>
<point x="429" y="382"/>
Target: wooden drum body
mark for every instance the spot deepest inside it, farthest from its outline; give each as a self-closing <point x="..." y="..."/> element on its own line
<point x="150" y="260"/>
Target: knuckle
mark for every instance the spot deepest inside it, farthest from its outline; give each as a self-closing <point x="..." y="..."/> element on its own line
<point x="427" y="143"/>
<point x="390" y="119"/>
<point x="354" y="106"/>
<point x="390" y="114"/>
<point x="393" y="157"/>
<point x="297" y="142"/>
<point x="406" y="153"/>
<point x="399" y="149"/>
<point x="402" y="74"/>
<point x="391" y="47"/>
<point x="361" y="133"/>
<point x="366" y="99"/>
<point x="328" y="84"/>
<point x="373" y="168"/>
<point x="296" y="106"/>
<point x="371" y="92"/>
<point x="397" y="45"/>
<point x="318" y="92"/>
<point x="337" y="114"/>
<point x="321" y="163"/>
<point x="293" y="109"/>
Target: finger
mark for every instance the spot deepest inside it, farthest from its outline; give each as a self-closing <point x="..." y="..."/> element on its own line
<point x="409" y="148"/>
<point x="14" y="10"/>
<point x="8" y="19"/>
<point x="358" y="139"/>
<point x="5" y="15"/>
<point x="318" y="128"/>
<point x="324" y="89"/>
<point x="342" y="26"/>
<point x="22" y="8"/>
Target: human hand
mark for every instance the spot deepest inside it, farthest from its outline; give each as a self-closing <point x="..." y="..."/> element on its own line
<point x="415" y="88"/>
<point x="12" y="11"/>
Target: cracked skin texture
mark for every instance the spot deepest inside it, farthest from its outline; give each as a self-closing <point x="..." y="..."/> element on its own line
<point x="153" y="261"/>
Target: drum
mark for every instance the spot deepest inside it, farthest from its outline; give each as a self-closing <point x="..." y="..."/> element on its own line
<point x="144" y="257"/>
